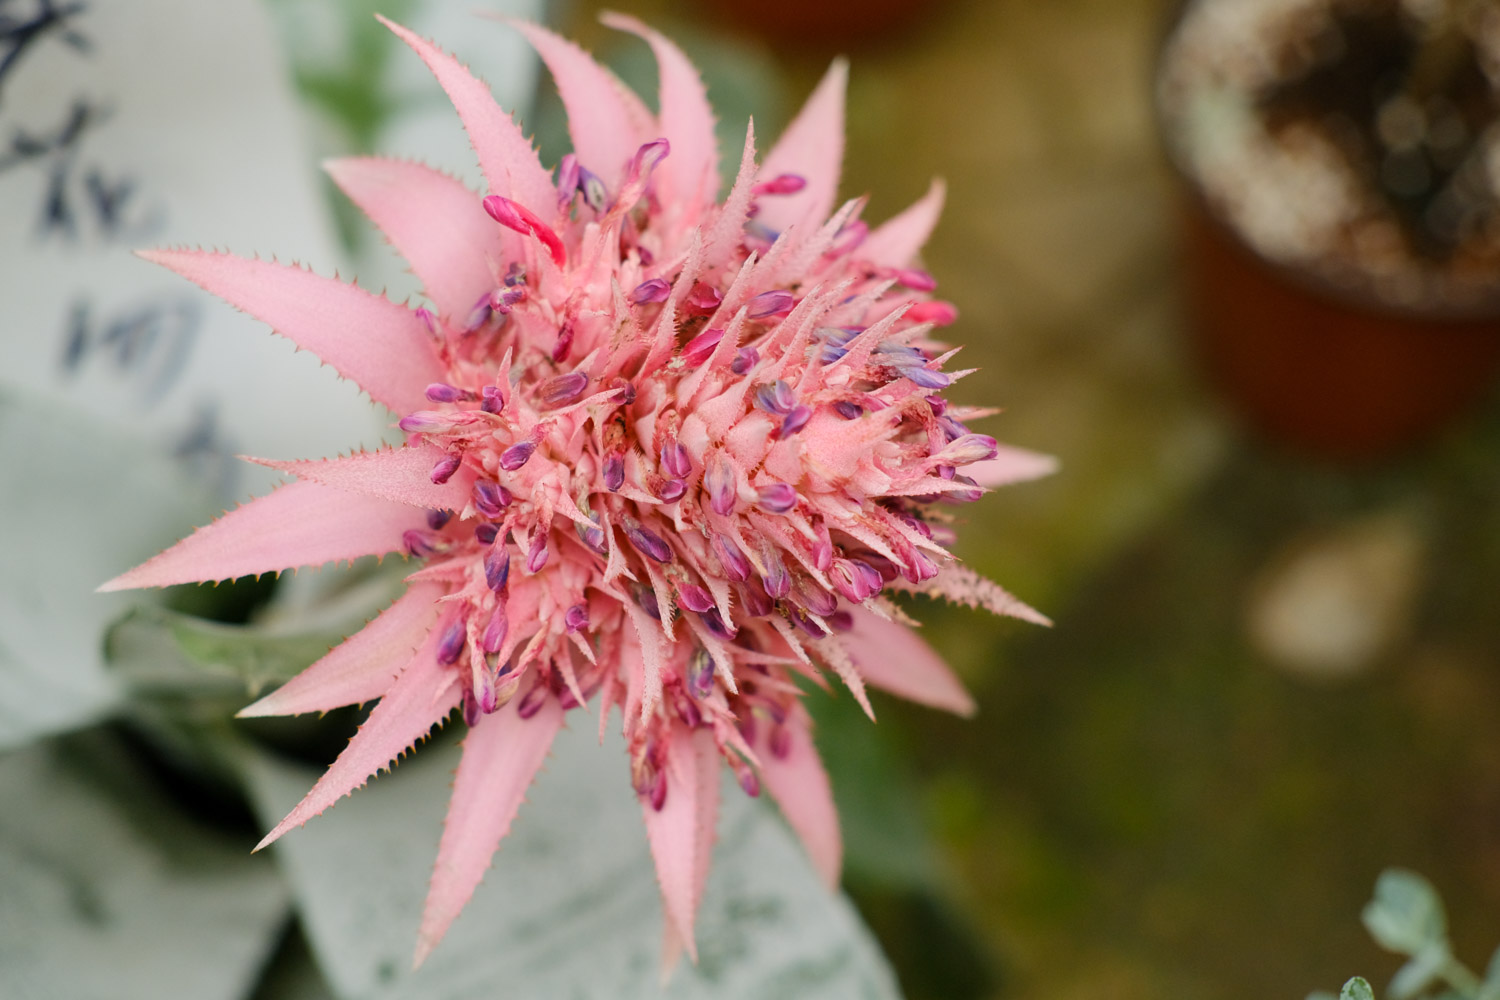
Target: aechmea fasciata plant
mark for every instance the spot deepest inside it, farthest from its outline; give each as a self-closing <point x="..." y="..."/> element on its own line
<point x="664" y="454"/>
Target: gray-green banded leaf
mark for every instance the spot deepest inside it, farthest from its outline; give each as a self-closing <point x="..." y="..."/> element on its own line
<point x="571" y="907"/>
<point x="1357" y="989"/>
<point x="107" y="893"/>
<point x="1406" y="915"/>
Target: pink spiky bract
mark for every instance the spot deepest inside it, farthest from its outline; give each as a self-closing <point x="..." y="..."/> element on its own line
<point x="663" y="451"/>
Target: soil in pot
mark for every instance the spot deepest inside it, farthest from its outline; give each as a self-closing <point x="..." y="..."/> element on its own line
<point x="1343" y="161"/>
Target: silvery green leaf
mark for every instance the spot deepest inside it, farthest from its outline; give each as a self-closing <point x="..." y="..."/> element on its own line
<point x="63" y="476"/>
<point x="1420" y="973"/>
<point x="1357" y="989"/>
<point x="108" y="893"/>
<point x="1406" y="915"/>
<point x="571" y="907"/>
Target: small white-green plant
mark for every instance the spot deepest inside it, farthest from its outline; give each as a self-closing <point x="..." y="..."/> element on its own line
<point x="1406" y="917"/>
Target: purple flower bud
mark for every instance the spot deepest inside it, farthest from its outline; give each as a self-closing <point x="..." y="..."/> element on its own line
<point x="970" y="495"/>
<point x="721" y="481"/>
<point x="840" y="621"/>
<point x="426" y="422"/>
<point x="497" y="569"/>
<point x="442" y="392"/>
<point x="614" y="472"/>
<point x="745" y="359"/>
<point x="698" y="350"/>
<point x="749" y="783"/>
<point x="926" y="377"/>
<point x="754" y="600"/>
<point x="495" y="632"/>
<point x="775" y="398"/>
<point x="479" y="315"/>
<point x="781" y="184"/>
<point x="536" y="556"/>
<point x="848" y="410"/>
<point x="576" y="617"/>
<point x="472" y="714"/>
<point x="815" y="599"/>
<point x="561" y="389"/>
<point x="795" y="421"/>
<point x="650" y="290"/>
<point x="969" y="448"/>
<point x="848" y="581"/>
<point x="437" y="518"/>
<point x="624" y="392"/>
<point x="424" y="543"/>
<point x="776" y="580"/>
<point x="671" y="490"/>
<point x="490" y="498"/>
<point x="485" y="532"/>
<point x="693" y="597"/>
<point x="700" y="673"/>
<point x="503" y="300"/>
<point x="806" y="624"/>
<point x="593" y="536"/>
<point x="492" y="400"/>
<point x="451" y="644"/>
<point x="778" y="498"/>
<point x="647" y="600"/>
<point x="771" y="303"/>
<point x="674" y="458"/>
<point x="532" y="702"/>
<point x="746" y="725"/>
<point x="516" y="455"/>
<point x="647" y="542"/>
<point x="445" y="468"/>
<point x="647" y="157"/>
<point x="515" y="274"/>
<point x="595" y="194"/>
<point x="735" y="563"/>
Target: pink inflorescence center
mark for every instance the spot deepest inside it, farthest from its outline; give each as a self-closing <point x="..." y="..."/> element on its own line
<point x="664" y="454"/>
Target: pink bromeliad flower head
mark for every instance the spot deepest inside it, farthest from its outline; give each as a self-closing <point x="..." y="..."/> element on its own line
<point x="663" y="453"/>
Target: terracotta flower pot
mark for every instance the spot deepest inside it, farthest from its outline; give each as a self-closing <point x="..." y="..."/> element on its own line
<point x="1337" y="368"/>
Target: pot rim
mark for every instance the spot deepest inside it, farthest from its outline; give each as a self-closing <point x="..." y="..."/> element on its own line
<point x="1361" y="295"/>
